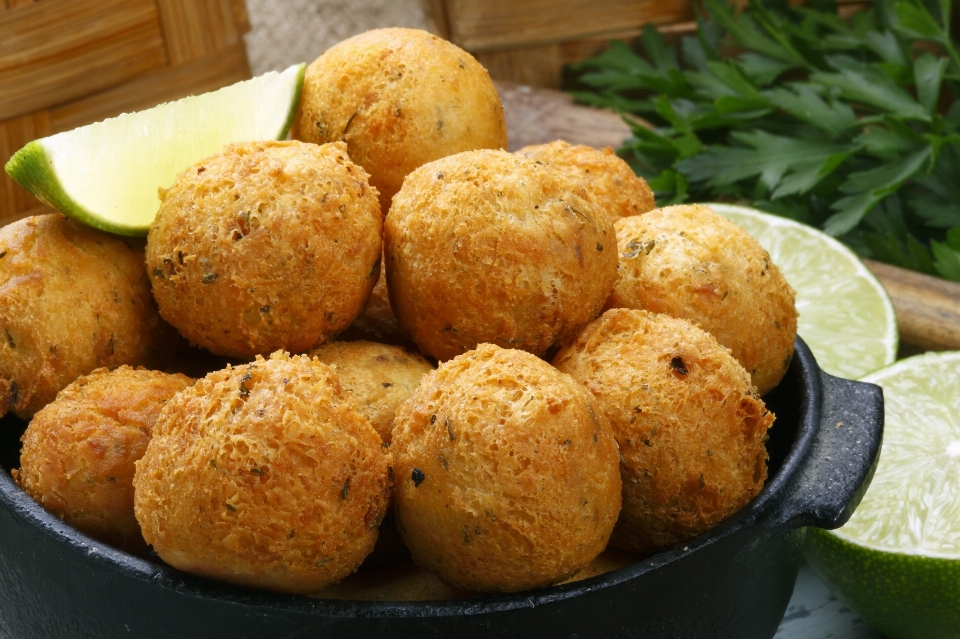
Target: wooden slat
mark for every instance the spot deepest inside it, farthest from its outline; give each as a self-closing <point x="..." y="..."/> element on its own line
<point x="499" y="24"/>
<point x="435" y="11"/>
<point x="536" y="66"/>
<point x="13" y="4"/>
<point x="216" y="70"/>
<point x="927" y="308"/>
<point x="14" y="133"/>
<point x="240" y="15"/>
<point x="196" y="28"/>
<point x="57" y="50"/>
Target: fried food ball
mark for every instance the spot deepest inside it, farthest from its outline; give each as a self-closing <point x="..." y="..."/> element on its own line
<point x="79" y="450"/>
<point x="690" y="425"/>
<point x="399" y="98"/>
<point x="264" y="475"/>
<point x="72" y="299"/>
<point x="265" y="246"/>
<point x="489" y="246"/>
<point x="379" y="377"/>
<point x="376" y="322"/>
<point x="507" y="472"/>
<point x="621" y="192"/>
<point x="689" y="262"/>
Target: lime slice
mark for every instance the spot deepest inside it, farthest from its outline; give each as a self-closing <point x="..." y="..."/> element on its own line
<point x="846" y="317"/>
<point x="107" y="174"/>
<point x="897" y="561"/>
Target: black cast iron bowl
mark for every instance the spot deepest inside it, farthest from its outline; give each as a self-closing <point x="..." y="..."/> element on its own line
<point x="734" y="582"/>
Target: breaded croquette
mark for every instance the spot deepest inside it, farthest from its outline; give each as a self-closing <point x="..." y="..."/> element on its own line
<point x="79" y="450"/>
<point x="506" y="472"/>
<point x="265" y="246"/>
<point x="490" y="246"/>
<point x="689" y="262"/>
<point x="266" y="475"/>
<point x="399" y="98"/>
<point x="72" y="299"/>
<point x="690" y="425"/>
<point x="379" y="377"/>
<point x="620" y="191"/>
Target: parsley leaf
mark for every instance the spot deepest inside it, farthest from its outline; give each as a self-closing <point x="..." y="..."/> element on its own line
<point x="851" y="124"/>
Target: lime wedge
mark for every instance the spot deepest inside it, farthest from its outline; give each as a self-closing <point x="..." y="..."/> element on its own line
<point x="107" y="174"/>
<point x="897" y="561"/>
<point x="846" y="316"/>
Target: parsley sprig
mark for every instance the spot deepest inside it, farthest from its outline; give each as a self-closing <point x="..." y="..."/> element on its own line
<point x="852" y="125"/>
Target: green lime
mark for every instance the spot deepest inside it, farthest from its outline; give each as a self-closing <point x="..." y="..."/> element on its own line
<point x="107" y="174"/>
<point x="846" y="317"/>
<point x="897" y="561"/>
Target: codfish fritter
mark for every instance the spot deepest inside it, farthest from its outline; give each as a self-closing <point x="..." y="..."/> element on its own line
<point x="621" y="192"/>
<point x="264" y="474"/>
<point x="377" y="322"/>
<point x="690" y="425"/>
<point x="689" y="262"/>
<point x="79" y="450"/>
<point x="379" y="377"/>
<point x="72" y="299"/>
<point x="265" y="246"/>
<point x="506" y="472"/>
<point x="399" y="98"/>
<point x="490" y="246"/>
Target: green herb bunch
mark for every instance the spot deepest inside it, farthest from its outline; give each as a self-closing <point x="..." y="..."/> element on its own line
<point x="852" y="125"/>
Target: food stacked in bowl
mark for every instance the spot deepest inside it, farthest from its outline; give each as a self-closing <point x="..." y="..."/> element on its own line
<point x="540" y="363"/>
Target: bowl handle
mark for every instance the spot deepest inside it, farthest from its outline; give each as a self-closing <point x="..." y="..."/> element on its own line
<point x="842" y="456"/>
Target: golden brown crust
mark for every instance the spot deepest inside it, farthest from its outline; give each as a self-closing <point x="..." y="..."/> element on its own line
<point x="266" y="245"/>
<point x="620" y="191"/>
<point x="79" y="450"/>
<point x="264" y="474"/>
<point x="399" y="98"/>
<point x="506" y="473"/>
<point x="489" y="246"/>
<point x="379" y="377"/>
<point x="376" y="322"/>
<point x="689" y="262"/>
<point x="72" y="299"/>
<point x="689" y="424"/>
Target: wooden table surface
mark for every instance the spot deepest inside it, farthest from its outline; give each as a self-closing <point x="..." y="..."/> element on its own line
<point x="927" y="308"/>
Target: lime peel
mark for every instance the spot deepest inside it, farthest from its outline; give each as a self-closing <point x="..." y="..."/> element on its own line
<point x="846" y="316"/>
<point x="897" y="561"/>
<point x="107" y="174"/>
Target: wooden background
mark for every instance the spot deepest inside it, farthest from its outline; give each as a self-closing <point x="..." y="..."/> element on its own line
<point x="65" y="63"/>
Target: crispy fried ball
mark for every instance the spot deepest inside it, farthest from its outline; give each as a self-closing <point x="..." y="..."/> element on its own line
<point x="79" y="451"/>
<point x="264" y="246"/>
<point x="506" y="472"/>
<point x="689" y="262"/>
<point x="489" y="246"/>
<point x="377" y="322"/>
<point x="72" y="299"/>
<point x="399" y="98"/>
<point x="621" y="192"/>
<point x="264" y="475"/>
<point x="379" y="377"/>
<point x="690" y="426"/>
